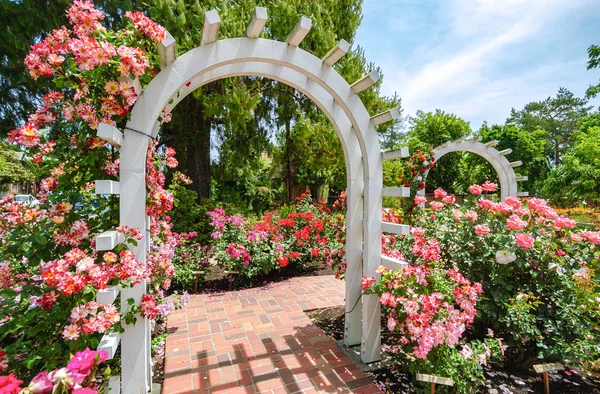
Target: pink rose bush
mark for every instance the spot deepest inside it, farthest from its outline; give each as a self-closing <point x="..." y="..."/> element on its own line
<point x="428" y="309"/>
<point x="50" y="271"/>
<point x="536" y="269"/>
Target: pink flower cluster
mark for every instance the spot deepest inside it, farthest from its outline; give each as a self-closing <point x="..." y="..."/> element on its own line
<point x="50" y="58"/>
<point x="488" y="187"/>
<point x="425" y="319"/>
<point x="71" y="379"/>
<point x="71" y="274"/>
<point x="237" y="251"/>
<point x="427" y="249"/>
<point x="89" y="318"/>
<point x="147" y="26"/>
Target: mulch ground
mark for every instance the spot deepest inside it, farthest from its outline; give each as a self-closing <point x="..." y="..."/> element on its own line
<point x="498" y="380"/>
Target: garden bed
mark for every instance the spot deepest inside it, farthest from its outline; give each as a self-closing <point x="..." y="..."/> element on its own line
<point x="219" y="280"/>
<point x="499" y="380"/>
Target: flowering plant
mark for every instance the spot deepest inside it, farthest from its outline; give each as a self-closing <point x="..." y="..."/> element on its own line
<point x="536" y="268"/>
<point x="78" y="377"/>
<point x="191" y="261"/>
<point x="428" y="308"/>
<point x="295" y="236"/>
<point x="50" y="271"/>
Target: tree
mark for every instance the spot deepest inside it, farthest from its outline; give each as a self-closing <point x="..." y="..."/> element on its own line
<point x="593" y="62"/>
<point x="556" y="116"/>
<point x="577" y="179"/>
<point x="527" y="147"/>
<point x="12" y="169"/>
<point x="247" y="110"/>
<point x="427" y="131"/>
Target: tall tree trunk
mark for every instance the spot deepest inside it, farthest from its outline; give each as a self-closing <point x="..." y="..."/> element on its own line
<point x="198" y="155"/>
<point x="556" y="152"/>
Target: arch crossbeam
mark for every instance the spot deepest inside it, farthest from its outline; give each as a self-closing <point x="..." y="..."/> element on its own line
<point x="505" y="169"/>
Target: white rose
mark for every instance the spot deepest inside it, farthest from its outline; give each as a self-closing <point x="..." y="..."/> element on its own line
<point x="505" y="256"/>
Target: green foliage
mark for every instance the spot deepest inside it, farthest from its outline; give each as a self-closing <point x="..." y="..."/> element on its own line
<point x="191" y="263"/>
<point x="427" y="131"/>
<point x="577" y="179"/>
<point x="527" y="146"/>
<point x="11" y="168"/>
<point x="593" y="62"/>
<point x="556" y="116"/>
<point x="464" y="367"/>
<point x="188" y="215"/>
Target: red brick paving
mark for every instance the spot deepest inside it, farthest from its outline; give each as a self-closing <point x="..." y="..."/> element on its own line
<point x="260" y="341"/>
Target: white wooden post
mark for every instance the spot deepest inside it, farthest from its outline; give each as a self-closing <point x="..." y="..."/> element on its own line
<point x="135" y="341"/>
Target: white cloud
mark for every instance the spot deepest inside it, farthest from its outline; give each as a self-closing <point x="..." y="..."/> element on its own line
<point x="460" y="72"/>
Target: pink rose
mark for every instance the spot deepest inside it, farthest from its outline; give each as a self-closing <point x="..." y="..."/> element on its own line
<point x="515" y="223"/>
<point x="436" y="206"/>
<point x="449" y="199"/>
<point x="475" y="189"/>
<point x="482" y="229"/>
<point x="524" y="241"/>
<point x="439" y="193"/>
<point x="564" y="222"/>
<point x="489" y="186"/>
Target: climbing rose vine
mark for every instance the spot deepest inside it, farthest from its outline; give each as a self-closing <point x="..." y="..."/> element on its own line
<point x="50" y="270"/>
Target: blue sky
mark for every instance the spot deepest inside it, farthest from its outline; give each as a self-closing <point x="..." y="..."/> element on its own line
<point x="480" y="58"/>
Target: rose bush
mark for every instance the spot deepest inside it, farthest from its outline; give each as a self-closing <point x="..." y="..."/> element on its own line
<point x="536" y="268"/>
<point x="428" y="308"/>
<point x="191" y="262"/>
<point x="50" y="271"/>
<point x="291" y="238"/>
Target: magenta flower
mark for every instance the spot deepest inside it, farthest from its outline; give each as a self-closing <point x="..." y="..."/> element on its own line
<point x="41" y="384"/>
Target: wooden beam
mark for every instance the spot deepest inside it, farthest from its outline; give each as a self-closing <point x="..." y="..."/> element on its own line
<point x="492" y="143"/>
<point x="110" y="343"/>
<point x="396" y="191"/>
<point x="299" y="32"/>
<point x="108" y="240"/>
<point x="336" y="53"/>
<point x="400" y="229"/>
<point x="365" y="82"/>
<point x="522" y="194"/>
<point x="210" y="29"/>
<point x="506" y="152"/>
<point x="166" y="51"/>
<point x="108" y="295"/>
<point x="257" y="23"/>
<point x="395" y="154"/>
<point x="392" y="263"/>
<point x="522" y="178"/>
<point x="386" y="116"/>
<point x="516" y="163"/>
<point x="110" y="134"/>
<point x="107" y="187"/>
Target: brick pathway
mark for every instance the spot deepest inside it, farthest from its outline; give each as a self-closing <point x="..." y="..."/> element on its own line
<point x="260" y="341"/>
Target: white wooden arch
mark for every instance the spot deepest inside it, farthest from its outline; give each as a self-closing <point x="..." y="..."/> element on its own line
<point x="504" y="168"/>
<point x="314" y="77"/>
